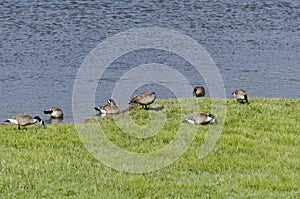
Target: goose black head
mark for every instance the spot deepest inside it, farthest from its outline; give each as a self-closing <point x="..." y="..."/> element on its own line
<point x="214" y="119"/>
<point x="38" y="118"/>
<point x="48" y="112"/>
<point x="212" y="116"/>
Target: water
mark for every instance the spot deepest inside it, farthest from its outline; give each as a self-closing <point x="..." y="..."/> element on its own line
<point x="255" y="44"/>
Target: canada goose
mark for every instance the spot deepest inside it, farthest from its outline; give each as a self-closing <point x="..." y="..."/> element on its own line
<point x="144" y="99"/>
<point x="110" y="108"/>
<point x="55" y="112"/>
<point x="201" y="118"/>
<point x="24" y="120"/>
<point x="199" y="91"/>
<point x="241" y="96"/>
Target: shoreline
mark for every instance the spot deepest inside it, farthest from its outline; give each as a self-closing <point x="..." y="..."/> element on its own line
<point x="278" y="101"/>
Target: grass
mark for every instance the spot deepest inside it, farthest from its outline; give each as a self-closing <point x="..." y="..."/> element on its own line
<point x="257" y="156"/>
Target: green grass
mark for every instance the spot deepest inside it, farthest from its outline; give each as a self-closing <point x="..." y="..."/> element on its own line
<point x="257" y="156"/>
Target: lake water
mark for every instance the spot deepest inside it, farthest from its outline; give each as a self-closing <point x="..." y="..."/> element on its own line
<point x="255" y="45"/>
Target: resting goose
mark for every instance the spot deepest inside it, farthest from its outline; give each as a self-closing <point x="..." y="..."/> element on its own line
<point x="201" y="118"/>
<point x="241" y="96"/>
<point x="55" y="112"/>
<point x="110" y="108"/>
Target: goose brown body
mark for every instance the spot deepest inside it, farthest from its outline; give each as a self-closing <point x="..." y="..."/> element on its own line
<point x="144" y="99"/>
<point x="24" y="120"/>
<point x="55" y="112"/>
<point x="201" y="118"/>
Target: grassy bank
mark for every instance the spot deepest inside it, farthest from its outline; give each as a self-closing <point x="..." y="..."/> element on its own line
<point x="257" y="156"/>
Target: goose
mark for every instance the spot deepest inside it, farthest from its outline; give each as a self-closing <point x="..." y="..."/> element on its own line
<point x="55" y="112"/>
<point x="201" y="118"/>
<point x="144" y="99"/>
<point x="241" y="96"/>
<point x="199" y="91"/>
<point x="110" y="108"/>
<point x="24" y="120"/>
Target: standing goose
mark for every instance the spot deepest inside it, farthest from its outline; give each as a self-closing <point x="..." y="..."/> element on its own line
<point x="199" y="91"/>
<point x="24" y="120"/>
<point x="144" y="99"/>
<point x="241" y="96"/>
<point x="201" y="118"/>
<point x="110" y="108"/>
<point x="55" y="112"/>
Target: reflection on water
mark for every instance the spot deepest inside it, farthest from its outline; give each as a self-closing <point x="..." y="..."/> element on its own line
<point x="255" y="44"/>
<point x="55" y="120"/>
